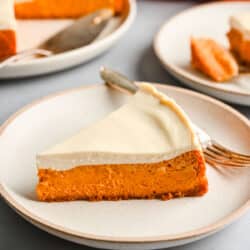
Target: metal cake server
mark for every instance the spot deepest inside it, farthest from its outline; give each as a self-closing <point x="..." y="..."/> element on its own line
<point x="215" y="154"/>
<point x="81" y="33"/>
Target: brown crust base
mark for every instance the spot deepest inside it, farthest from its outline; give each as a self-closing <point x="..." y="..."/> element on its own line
<point x="178" y="177"/>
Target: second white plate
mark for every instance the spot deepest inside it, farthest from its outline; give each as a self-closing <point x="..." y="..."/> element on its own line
<point x="172" y="46"/>
<point x="30" y="33"/>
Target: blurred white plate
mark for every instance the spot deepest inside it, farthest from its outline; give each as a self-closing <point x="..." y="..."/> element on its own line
<point x="172" y="46"/>
<point x="133" y="224"/>
<point x="30" y="33"/>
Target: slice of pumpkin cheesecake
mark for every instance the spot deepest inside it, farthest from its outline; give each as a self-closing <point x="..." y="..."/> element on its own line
<point x="144" y="150"/>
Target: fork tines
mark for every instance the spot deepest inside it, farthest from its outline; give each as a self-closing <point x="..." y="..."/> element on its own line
<point x="216" y="154"/>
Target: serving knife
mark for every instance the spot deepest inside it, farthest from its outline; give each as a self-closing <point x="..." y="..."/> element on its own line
<point x="81" y="33"/>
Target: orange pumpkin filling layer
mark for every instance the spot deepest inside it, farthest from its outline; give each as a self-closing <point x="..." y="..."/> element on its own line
<point x="239" y="46"/>
<point x="178" y="177"/>
<point x="63" y="8"/>
<point x="7" y="43"/>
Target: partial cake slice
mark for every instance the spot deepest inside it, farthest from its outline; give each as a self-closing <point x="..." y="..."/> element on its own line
<point x="7" y="29"/>
<point x="239" y="37"/>
<point x="212" y="59"/>
<point x="27" y="9"/>
<point x="146" y="149"/>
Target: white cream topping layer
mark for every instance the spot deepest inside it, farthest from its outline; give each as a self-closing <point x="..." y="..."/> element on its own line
<point x="241" y="22"/>
<point x="151" y="127"/>
<point x="7" y="15"/>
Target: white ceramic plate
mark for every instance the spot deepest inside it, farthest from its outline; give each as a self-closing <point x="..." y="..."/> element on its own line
<point x="172" y="46"/>
<point x="30" y="33"/>
<point x="133" y="224"/>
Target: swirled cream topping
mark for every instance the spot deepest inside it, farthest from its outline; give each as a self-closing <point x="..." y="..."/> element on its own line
<point x="151" y="127"/>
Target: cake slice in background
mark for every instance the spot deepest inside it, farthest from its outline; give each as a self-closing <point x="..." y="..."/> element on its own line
<point x="239" y="37"/>
<point x="212" y="59"/>
<point x="146" y="149"/>
<point x="7" y="29"/>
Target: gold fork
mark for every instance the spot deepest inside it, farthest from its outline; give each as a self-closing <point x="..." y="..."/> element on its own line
<point x="215" y="154"/>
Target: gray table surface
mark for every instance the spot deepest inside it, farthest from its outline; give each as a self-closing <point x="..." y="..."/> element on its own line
<point x="133" y="56"/>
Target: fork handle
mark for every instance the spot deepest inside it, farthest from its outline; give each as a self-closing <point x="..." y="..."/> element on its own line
<point x="117" y="80"/>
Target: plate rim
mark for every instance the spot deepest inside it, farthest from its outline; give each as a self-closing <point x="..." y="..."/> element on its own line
<point x="55" y="58"/>
<point x="162" y="238"/>
<point x="171" y="67"/>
